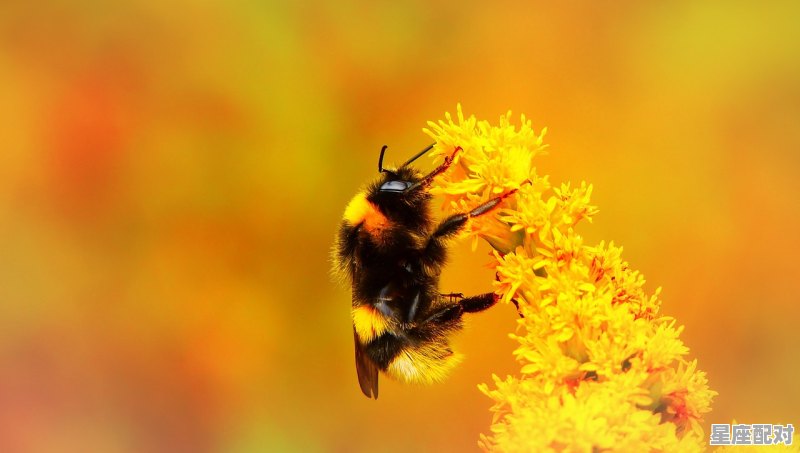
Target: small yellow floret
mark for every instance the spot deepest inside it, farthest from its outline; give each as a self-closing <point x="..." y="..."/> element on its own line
<point x="600" y="370"/>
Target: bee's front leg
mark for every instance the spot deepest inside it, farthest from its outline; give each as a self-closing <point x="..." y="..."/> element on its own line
<point x="428" y="179"/>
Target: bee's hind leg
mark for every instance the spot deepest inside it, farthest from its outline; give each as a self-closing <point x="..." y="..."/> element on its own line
<point x="452" y="296"/>
<point x="478" y="303"/>
<point x="471" y="304"/>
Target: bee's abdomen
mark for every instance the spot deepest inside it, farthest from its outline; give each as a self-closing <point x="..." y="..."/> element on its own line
<point x="383" y="349"/>
<point x="424" y="364"/>
<point x="409" y="356"/>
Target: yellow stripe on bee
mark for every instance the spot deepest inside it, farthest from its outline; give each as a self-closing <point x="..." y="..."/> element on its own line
<point x="423" y="365"/>
<point x="360" y="210"/>
<point x="357" y="209"/>
<point x="369" y="323"/>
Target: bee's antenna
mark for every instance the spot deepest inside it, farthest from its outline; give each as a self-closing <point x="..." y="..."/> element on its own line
<point x="418" y="155"/>
<point x="380" y="159"/>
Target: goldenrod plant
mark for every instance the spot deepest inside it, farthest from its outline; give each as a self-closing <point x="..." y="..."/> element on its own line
<point x="600" y="367"/>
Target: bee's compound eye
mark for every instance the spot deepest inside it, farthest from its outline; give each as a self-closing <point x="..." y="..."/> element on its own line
<point x="394" y="186"/>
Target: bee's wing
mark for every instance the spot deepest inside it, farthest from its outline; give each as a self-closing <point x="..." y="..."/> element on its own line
<point x="367" y="370"/>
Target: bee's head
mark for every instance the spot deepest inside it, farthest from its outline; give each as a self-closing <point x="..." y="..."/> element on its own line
<point x="399" y="182"/>
<point x="399" y="189"/>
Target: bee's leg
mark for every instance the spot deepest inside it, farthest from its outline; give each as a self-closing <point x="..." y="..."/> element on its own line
<point x="434" y="252"/>
<point x="452" y="296"/>
<point x="453" y="224"/>
<point x="450" y="313"/>
<point x="516" y="304"/>
<point x="472" y="304"/>
<point x="513" y="300"/>
<point x="478" y="303"/>
<point x="482" y="302"/>
<point x="428" y="179"/>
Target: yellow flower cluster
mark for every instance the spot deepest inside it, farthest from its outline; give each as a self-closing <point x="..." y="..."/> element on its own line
<point x="600" y="368"/>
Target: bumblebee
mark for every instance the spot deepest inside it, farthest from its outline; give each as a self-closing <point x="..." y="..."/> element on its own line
<point x="391" y="251"/>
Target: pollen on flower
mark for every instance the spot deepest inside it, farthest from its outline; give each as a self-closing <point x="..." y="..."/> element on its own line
<point x="599" y="367"/>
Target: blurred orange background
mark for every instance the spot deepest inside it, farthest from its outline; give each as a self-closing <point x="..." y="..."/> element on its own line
<point x="173" y="174"/>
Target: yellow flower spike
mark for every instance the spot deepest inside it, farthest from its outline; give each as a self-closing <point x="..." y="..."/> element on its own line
<point x="599" y="367"/>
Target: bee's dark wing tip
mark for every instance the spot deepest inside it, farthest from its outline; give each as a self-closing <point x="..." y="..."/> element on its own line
<point x="366" y="369"/>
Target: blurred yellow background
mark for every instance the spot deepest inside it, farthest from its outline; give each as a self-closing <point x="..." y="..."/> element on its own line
<point x="173" y="174"/>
